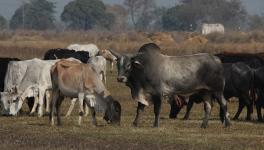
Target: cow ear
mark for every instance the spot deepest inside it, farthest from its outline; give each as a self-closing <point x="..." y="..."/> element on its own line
<point x="137" y="64"/>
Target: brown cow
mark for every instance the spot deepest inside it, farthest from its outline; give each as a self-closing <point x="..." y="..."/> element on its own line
<point x="77" y="80"/>
<point x="108" y="56"/>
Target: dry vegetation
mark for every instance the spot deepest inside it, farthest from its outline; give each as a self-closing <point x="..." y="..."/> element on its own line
<point x="26" y="132"/>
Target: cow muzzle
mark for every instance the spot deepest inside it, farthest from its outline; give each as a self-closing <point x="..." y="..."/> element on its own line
<point x="122" y="79"/>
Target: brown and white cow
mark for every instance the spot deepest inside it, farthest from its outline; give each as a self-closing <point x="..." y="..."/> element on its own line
<point x="77" y="80"/>
<point x="108" y="56"/>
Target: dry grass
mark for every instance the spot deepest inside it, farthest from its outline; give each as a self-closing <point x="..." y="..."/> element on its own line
<point x="26" y="132"/>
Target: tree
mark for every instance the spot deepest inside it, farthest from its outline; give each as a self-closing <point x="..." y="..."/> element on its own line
<point x="85" y="14"/>
<point x="141" y="12"/>
<point x="191" y="13"/>
<point x="120" y="14"/>
<point x="3" y="23"/>
<point x="256" y="22"/>
<point x="36" y="14"/>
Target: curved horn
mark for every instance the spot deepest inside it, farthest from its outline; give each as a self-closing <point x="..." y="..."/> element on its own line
<point x="116" y="54"/>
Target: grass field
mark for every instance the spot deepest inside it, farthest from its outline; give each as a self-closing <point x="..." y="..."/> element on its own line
<point x="25" y="132"/>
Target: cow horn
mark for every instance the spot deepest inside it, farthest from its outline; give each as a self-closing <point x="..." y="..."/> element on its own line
<point x="116" y="54"/>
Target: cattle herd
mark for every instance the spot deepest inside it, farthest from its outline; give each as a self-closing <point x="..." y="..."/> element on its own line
<point x="79" y="72"/>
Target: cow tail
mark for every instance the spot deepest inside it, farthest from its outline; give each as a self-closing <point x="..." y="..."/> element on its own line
<point x="252" y="88"/>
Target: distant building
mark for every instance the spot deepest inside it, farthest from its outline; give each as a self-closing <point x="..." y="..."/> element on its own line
<point x="212" y="28"/>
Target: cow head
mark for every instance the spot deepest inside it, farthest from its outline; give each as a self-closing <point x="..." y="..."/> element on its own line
<point x="108" y="55"/>
<point x="123" y="66"/>
<point x="10" y="103"/>
<point x="113" y="111"/>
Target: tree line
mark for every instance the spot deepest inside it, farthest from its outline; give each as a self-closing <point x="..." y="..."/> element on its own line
<point x="140" y="15"/>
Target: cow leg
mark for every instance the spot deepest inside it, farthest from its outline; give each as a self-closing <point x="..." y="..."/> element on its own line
<point x="48" y="100"/>
<point x="157" y="106"/>
<point x="86" y="110"/>
<point x="112" y="66"/>
<point x="188" y="110"/>
<point x="41" y="103"/>
<point x="104" y="77"/>
<point x="174" y="109"/>
<point x="55" y="96"/>
<point x="36" y="100"/>
<point x="241" y="105"/>
<point x="140" y="109"/>
<point x="249" y="111"/>
<point x="58" y="104"/>
<point x="73" y="101"/>
<point x="258" y="107"/>
<point x="207" y="110"/>
<point x="223" y="108"/>
<point x="81" y="98"/>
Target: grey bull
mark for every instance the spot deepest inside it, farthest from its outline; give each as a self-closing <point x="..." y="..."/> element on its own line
<point x="150" y="74"/>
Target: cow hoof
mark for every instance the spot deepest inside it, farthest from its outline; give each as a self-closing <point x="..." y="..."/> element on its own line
<point x="227" y="123"/>
<point x="260" y="120"/>
<point x="204" y="125"/>
<point x="235" y="118"/>
<point x="32" y="114"/>
<point x="135" y="124"/>
<point x="185" y="118"/>
<point x="155" y="126"/>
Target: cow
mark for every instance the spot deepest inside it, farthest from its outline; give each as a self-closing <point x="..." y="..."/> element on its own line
<point x="239" y="80"/>
<point x="92" y="49"/>
<point x="150" y="74"/>
<point x="77" y="80"/>
<point x="252" y="60"/>
<point x="212" y="28"/>
<point x="98" y="63"/>
<point x="60" y="53"/>
<point x="34" y="82"/>
<point x="108" y="56"/>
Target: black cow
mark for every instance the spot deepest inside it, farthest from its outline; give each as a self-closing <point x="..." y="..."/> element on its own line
<point x="239" y="80"/>
<point x="60" y="53"/>
<point x="150" y="73"/>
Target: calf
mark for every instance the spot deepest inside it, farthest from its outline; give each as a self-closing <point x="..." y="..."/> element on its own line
<point x="77" y="80"/>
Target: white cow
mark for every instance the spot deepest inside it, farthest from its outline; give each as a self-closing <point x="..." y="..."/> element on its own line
<point x="212" y="28"/>
<point x="34" y="83"/>
<point x="91" y="48"/>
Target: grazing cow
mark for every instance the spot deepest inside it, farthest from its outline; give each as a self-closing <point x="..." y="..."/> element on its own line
<point x="238" y="82"/>
<point x="151" y="74"/>
<point x="212" y="28"/>
<point x="108" y="56"/>
<point x="34" y="82"/>
<point x="92" y="49"/>
<point x="77" y="80"/>
<point x="59" y="53"/>
<point x="98" y="63"/>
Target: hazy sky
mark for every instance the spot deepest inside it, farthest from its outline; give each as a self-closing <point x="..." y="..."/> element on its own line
<point x="8" y="7"/>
